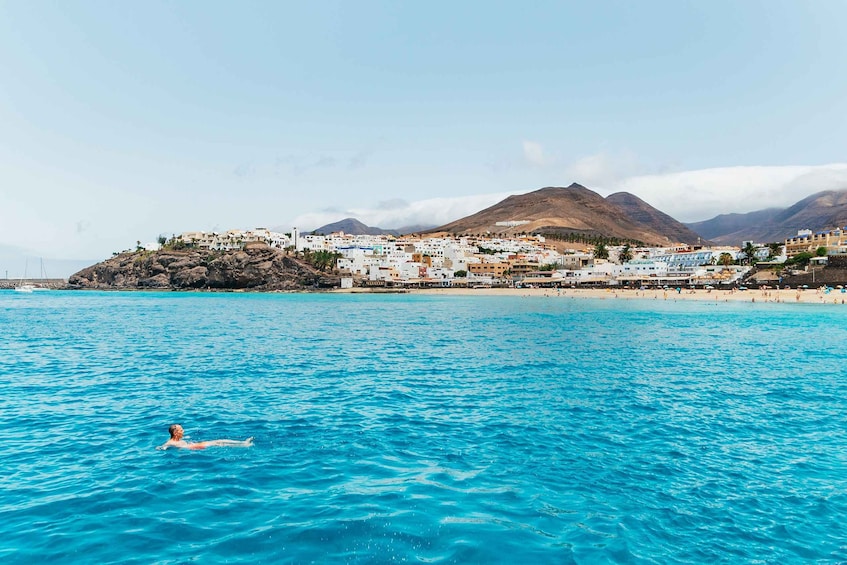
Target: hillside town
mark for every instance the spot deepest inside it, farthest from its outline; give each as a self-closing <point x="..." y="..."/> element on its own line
<point x="523" y="260"/>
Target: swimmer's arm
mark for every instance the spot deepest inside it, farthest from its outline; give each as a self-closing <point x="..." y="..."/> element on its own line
<point x="229" y="442"/>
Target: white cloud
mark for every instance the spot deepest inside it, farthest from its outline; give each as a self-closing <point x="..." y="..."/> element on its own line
<point x="534" y="153"/>
<point x="703" y="194"/>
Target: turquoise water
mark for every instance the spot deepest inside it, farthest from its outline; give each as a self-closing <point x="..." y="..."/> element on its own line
<point x="414" y="429"/>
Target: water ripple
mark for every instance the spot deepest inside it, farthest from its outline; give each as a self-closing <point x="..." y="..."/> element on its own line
<point x="407" y="428"/>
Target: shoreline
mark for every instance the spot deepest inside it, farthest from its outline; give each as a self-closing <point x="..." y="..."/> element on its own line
<point x="782" y="296"/>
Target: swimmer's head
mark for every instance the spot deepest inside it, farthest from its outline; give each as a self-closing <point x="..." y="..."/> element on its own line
<point x="176" y="431"/>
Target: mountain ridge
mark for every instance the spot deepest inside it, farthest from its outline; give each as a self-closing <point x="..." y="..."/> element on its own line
<point x="819" y="211"/>
<point x="578" y="210"/>
<point x="353" y="226"/>
<point x="575" y="209"/>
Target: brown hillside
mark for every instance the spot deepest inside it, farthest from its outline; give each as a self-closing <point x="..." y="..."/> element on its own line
<point x="574" y="209"/>
<point x="820" y="211"/>
<point x="638" y="210"/>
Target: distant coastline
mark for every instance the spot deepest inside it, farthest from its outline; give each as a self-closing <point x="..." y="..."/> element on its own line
<point x="833" y="296"/>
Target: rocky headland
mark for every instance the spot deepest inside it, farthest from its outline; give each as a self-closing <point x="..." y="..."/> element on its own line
<point x="256" y="267"/>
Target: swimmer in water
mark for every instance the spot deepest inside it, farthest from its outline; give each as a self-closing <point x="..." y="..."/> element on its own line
<point x="176" y="440"/>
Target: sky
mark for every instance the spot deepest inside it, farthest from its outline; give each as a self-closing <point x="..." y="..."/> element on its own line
<point x="122" y="121"/>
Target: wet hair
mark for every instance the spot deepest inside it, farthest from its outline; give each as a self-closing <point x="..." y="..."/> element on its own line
<point x="173" y="428"/>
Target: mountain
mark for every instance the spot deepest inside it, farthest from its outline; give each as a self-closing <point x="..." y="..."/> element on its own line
<point x="724" y="224"/>
<point x="574" y="209"/>
<point x="638" y="210"/>
<point x="353" y="226"/>
<point x="820" y="211"/>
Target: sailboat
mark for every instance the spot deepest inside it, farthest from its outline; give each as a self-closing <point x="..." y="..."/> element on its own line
<point x="22" y="286"/>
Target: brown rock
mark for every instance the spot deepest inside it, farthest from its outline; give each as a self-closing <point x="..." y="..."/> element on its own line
<point x="256" y="267"/>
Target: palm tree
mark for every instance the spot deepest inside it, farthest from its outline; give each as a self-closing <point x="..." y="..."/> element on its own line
<point x="323" y="260"/>
<point x="750" y="253"/>
<point x="600" y="251"/>
<point x="725" y="259"/>
<point x="626" y="254"/>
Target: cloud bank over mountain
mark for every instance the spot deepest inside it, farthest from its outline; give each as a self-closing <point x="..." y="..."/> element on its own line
<point x="702" y="194"/>
<point x="687" y="196"/>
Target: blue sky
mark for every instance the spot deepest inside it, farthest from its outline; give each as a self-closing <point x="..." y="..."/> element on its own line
<point x="120" y="121"/>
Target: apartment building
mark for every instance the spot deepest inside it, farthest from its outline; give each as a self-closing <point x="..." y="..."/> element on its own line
<point x="492" y="269"/>
<point x="835" y="241"/>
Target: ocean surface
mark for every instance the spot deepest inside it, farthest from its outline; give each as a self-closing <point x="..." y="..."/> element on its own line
<point x="421" y="429"/>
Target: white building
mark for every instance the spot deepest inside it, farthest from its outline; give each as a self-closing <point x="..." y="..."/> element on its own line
<point x="684" y="261"/>
<point x="640" y="269"/>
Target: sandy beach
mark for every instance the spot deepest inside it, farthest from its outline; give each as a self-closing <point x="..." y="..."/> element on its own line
<point x="788" y="296"/>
